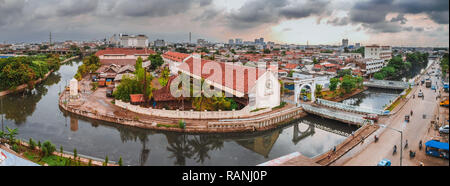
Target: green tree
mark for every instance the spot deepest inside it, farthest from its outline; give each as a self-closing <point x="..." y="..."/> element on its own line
<point x="32" y="144"/>
<point x="120" y="161"/>
<point x="334" y="82"/>
<point x="12" y="133"/>
<point x="106" y="161"/>
<point x="318" y="90"/>
<point x="155" y="61"/>
<point x="48" y="148"/>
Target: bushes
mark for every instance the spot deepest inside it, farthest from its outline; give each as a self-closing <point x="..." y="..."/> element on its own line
<point x="48" y="148"/>
<point x="32" y="144"/>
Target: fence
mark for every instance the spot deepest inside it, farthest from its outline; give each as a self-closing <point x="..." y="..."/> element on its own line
<point x="346" y="118"/>
<point x="191" y="114"/>
<point x="349" y="108"/>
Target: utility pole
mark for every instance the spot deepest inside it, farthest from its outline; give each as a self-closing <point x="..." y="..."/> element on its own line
<point x="50" y="38"/>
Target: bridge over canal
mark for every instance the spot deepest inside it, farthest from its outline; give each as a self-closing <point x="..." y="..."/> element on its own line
<point x="397" y="85"/>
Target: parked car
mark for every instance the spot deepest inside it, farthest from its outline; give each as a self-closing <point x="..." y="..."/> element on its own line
<point x="444" y="129"/>
<point x="384" y="163"/>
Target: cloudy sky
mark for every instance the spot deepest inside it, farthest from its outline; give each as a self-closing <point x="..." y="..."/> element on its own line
<point x="391" y="22"/>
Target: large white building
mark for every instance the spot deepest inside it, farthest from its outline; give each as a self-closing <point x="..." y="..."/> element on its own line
<point x="260" y="91"/>
<point x="378" y="52"/>
<point x="374" y="65"/>
<point x="133" y="41"/>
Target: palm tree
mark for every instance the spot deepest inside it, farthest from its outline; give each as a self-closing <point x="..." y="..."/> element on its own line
<point x="220" y="103"/>
<point x="12" y="133"/>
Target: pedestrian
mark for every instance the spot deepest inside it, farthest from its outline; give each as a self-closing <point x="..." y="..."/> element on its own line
<point x="334" y="149"/>
<point x="353" y="134"/>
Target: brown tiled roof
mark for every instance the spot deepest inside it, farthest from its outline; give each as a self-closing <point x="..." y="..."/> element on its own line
<point x="175" y="56"/>
<point x="240" y="84"/>
<point x="120" y="62"/>
<point x="125" y="51"/>
<point x="164" y="94"/>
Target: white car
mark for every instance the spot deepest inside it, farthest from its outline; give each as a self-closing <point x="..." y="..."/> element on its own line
<point x="444" y="129"/>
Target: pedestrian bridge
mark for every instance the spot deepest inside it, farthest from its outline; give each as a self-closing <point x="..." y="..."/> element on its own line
<point x="398" y="85"/>
<point x="334" y="114"/>
<point x="349" y="108"/>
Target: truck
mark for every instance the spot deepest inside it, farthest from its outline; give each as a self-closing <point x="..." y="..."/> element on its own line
<point x="428" y="83"/>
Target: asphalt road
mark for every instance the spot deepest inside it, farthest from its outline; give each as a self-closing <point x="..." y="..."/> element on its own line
<point x="414" y="131"/>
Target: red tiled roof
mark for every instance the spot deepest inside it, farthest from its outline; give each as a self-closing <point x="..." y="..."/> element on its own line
<point x="125" y="51"/>
<point x="240" y="84"/>
<point x="175" y="56"/>
<point x="330" y="65"/>
<point x="137" y="98"/>
<point x="164" y="93"/>
<point x="317" y="66"/>
<point x="291" y="66"/>
<point x="118" y="61"/>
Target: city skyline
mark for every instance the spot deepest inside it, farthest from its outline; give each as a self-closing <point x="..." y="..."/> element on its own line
<point x="385" y="22"/>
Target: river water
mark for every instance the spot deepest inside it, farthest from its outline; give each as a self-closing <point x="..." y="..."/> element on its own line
<point x="38" y="116"/>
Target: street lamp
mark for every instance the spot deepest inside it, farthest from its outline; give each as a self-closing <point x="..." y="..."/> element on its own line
<point x="401" y="140"/>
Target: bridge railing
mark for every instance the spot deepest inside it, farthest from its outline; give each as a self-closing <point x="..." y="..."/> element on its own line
<point x="383" y="83"/>
<point x="349" y="108"/>
<point x="335" y="115"/>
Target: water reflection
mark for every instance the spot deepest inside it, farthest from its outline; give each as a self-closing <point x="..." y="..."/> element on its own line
<point x="19" y="106"/>
<point x="373" y="98"/>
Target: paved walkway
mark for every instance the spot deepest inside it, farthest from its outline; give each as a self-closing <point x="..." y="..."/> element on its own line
<point x="13" y="159"/>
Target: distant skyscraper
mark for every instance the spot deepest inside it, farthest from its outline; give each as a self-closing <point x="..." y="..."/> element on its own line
<point x="238" y="41"/>
<point x="344" y="42"/>
<point x="261" y="40"/>
<point x="231" y="41"/>
<point x="190" y="37"/>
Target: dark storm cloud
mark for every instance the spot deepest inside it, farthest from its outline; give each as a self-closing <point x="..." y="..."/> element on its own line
<point x="375" y="11"/>
<point x="257" y="12"/>
<point x="400" y="18"/>
<point x="9" y="10"/>
<point x="74" y="8"/>
<point x="156" y="8"/>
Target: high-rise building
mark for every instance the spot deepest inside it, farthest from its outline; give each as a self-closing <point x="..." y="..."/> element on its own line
<point x="159" y="43"/>
<point x="378" y="52"/>
<point x="261" y="40"/>
<point x="231" y="41"/>
<point x="133" y="41"/>
<point x="238" y="41"/>
<point x="344" y="42"/>
<point x="358" y="45"/>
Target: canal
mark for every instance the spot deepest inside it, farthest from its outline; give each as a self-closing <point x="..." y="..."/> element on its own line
<point x="37" y="115"/>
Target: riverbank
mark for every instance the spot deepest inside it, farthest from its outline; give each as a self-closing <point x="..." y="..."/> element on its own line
<point x="25" y="86"/>
<point x="97" y="106"/>
<point x="25" y="155"/>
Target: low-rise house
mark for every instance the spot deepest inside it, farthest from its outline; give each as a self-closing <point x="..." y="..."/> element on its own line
<point x="123" y="56"/>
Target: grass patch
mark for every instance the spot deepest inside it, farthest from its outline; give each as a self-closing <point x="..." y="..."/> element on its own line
<point x="168" y="126"/>
<point x="258" y="109"/>
<point x="280" y="106"/>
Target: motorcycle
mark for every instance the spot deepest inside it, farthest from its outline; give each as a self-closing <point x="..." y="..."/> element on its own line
<point x="412" y="154"/>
